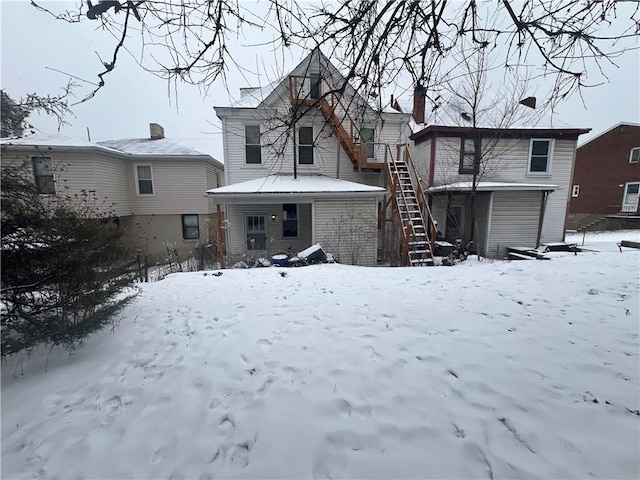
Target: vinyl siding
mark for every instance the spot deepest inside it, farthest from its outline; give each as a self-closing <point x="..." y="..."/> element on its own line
<point x="347" y="228"/>
<point x="275" y="241"/>
<point x="111" y="176"/>
<point x="215" y="179"/>
<point x="178" y="187"/>
<point x="514" y="221"/>
<point x="510" y="164"/>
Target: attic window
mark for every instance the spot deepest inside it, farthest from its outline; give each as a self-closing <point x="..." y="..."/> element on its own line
<point x="634" y="155"/>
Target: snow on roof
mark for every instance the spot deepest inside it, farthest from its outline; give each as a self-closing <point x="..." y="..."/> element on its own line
<point x="148" y="146"/>
<point x="286" y="184"/>
<point x="47" y="140"/>
<point x="253" y="96"/>
<point x="490" y="187"/>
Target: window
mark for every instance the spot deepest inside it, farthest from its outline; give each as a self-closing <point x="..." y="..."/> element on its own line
<point x="575" y="191"/>
<point x="289" y="220"/>
<point x="253" y="151"/>
<point x="314" y="81"/>
<point x="256" y="233"/>
<point x="634" y="155"/>
<point x="190" y="227"/>
<point x="540" y="153"/>
<point x="43" y="174"/>
<point x="469" y="156"/>
<point x="144" y="179"/>
<point x="368" y="137"/>
<point x="305" y="146"/>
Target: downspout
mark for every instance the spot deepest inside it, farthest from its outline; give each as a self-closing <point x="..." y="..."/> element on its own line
<point x="295" y="151"/>
<point x="338" y="157"/>
<point x="220" y="241"/>
<point x="543" y="206"/>
<point x="432" y="161"/>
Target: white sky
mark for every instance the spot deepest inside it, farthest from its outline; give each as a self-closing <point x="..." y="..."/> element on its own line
<point x="33" y="43"/>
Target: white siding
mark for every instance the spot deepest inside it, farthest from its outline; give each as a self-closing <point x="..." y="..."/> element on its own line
<point x="179" y="187"/>
<point x="514" y="221"/>
<point x="508" y="162"/>
<point x="215" y="179"/>
<point x="348" y="229"/>
<point x="275" y="241"/>
<point x="113" y="184"/>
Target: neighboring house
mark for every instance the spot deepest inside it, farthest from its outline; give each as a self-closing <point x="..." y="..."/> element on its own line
<point x="522" y="178"/>
<point x="305" y="164"/>
<point x="606" y="177"/>
<point x="154" y="186"/>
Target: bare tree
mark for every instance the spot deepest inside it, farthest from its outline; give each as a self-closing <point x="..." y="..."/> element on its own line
<point x="473" y="98"/>
<point x="372" y="41"/>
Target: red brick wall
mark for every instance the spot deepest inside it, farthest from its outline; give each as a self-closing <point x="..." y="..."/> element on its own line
<point x="601" y="166"/>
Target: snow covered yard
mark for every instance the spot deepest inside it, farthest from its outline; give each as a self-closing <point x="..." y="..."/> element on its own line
<point x="483" y="370"/>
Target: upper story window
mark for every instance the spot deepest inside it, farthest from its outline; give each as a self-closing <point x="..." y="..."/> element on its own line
<point x="540" y="155"/>
<point x="190" y="227"/>
<point x="469" y="156"/>
<point x="43" y="174"/>
<point x="252" y="148"/>
<point x="305" y="146"/>
<point x="144" y="180"/>
<point x="369" y="138"/>
<point x="634" y="155"/>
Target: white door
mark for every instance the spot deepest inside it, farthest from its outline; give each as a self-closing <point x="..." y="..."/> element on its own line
<point x="630" y="201"/>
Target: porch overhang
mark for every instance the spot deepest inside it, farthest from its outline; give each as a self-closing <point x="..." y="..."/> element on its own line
<point x="463" y="187"/>
<point x="286" y="189"/>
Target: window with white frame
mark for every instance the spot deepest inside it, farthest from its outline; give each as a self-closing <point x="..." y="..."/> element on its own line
<point x="305" y="146"/>
<point x="634" y="155"/>
<point x="289" y="220"/>
<point x="540" y="155"/>
<point x="252" y="148"/>
<point x="575" y="191"/>
<point x="43" y="174"/>
<point x="469" y="156"/>
<point x="144" y="180"/>
<point x="256" y="233"/>
<point x="190" y="227"/>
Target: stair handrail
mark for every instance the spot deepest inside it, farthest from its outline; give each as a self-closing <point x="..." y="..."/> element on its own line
<point x="421" y="194"/>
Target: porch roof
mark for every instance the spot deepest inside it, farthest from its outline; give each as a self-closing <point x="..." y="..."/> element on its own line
<point x="279" y="185"/>
<point x="491" y="187"/>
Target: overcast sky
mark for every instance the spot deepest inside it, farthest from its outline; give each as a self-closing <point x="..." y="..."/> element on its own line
<point x="34" y="45"/>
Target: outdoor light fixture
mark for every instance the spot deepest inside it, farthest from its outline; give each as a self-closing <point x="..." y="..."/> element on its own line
<point x="273" y="218"/>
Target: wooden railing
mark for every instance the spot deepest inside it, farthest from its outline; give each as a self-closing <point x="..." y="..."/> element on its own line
<point x="303" y="91"/>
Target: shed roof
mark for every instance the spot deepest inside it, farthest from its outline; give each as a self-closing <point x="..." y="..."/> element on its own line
<point x="491" y="187"/>
<point x="278" y="185"/>
<point x="456" y="131"/>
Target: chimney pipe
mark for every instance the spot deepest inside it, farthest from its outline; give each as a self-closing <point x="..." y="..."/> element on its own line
<point x="418" y="103"/>
<point x="156" y="131"/>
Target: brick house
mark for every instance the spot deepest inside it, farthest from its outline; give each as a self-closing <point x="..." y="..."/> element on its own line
<point x="606" y="177"/>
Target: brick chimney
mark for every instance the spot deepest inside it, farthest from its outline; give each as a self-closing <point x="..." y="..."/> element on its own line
<point x="418" y="103"/>
<point x="157" y="132"/>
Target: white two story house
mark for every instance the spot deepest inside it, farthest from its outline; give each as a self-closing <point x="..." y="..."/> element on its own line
<point x="153" y="187"/>
<point x="305" y="164"/>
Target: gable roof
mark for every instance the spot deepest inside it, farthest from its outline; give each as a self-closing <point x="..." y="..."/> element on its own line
<point x="315" y="62"/>
<point x="303" y="185"/>
<point x="620" y="124"/>
<point x="454" y="131"/>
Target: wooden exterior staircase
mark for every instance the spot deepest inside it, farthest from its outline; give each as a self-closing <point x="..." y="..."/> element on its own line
<point x="408" y="200"/>
<point x="411" y="210"/>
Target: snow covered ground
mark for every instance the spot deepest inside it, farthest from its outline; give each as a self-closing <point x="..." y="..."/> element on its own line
<point x="483" y="370"/>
